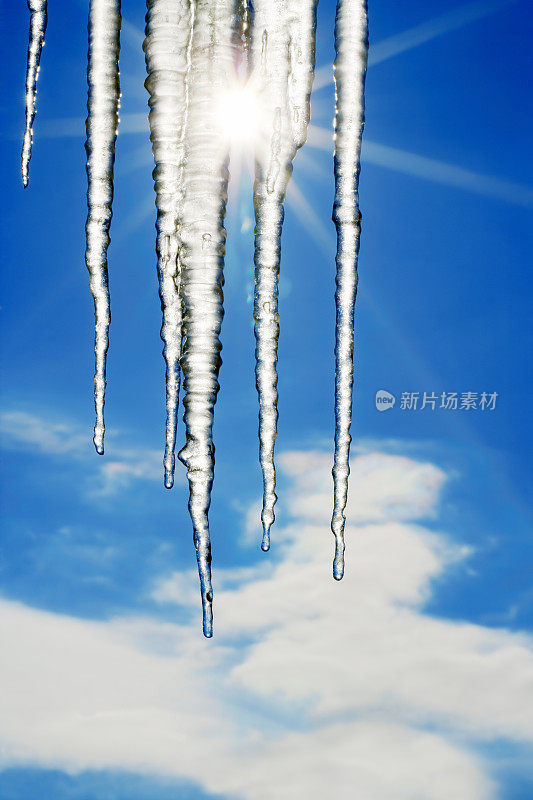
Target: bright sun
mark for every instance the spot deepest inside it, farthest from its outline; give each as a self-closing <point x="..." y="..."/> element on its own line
<point x="239" y="112"/>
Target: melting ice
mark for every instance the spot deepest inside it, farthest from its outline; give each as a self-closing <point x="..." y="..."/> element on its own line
<point x="351" y="47"/>
<point x="196" y="51"/>
<point x="102" y="122"/>
<point x="283" y="57"/>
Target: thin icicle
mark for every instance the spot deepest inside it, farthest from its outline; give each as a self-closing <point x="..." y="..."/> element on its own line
<point x="202" y="257"/>
<point x="283" y="54"/>
<point x="36" y="41"/>
<point x="167" y="50"/>
<point x="351" y="46"/>
<point x="102" y="121"/>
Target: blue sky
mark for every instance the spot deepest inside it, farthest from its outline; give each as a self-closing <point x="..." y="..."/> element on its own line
<point x="410" y="679"/>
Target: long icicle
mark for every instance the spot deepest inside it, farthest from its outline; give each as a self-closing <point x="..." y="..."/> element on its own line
<point x="167" y="51"/>
<point x="351" y="47"/>
<point x="283" y="55"/>
<point x="102" y="122"/>
<point x="202" y="258"/>
<point x="37" y="10"/>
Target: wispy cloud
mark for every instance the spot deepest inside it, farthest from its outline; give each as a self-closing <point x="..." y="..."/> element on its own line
<point x="21" y="430"/>
<point x="310" y="688"/>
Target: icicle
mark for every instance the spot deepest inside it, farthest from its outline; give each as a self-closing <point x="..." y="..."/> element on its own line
<point x="283" y="54"/>
<point x="36" y="41"/>
<point x="351" y="46"/>
<point x="195" y="50"/>
<point x="102" y="122"/>
<point x="167" y="50"/>
<point x="201" y="258"/>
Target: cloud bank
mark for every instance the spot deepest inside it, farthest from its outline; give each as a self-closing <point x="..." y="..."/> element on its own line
<point x="311" y="688"/>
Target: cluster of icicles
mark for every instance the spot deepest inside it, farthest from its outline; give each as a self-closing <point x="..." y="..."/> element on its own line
<point x="192" y="48"/>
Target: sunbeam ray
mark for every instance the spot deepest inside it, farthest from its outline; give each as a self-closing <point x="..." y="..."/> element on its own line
<point x="420" y="34"/>
<point x="446" y="174"/>
<point x="431" y="169"/>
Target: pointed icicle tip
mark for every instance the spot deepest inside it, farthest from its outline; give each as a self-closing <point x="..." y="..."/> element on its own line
<point x="169" y="478"/>
<point x="267" y="518"/>
<point x="37" y="10"/>
<point x="207" y="610"/>
<point x="98" y="438"/>
<point x="338" y="522"/>
<point x="167" y="49"/>
<point x="265" y="544"/>
<point x="351" y="47"/>
<point x="203" y="557"/>
<point x="169" y="461"/>
<point x="283" y="56"/>
<point x="101" y="127"/>
<point x="201" y="258"/>
<point x="338" y="560"/>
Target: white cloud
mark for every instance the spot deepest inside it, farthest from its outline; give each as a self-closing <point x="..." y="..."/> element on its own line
<point x="382" y="487"/>
<point x="311" y="688"/>
<point x="21" y="429"/>
<point x="121" y="466"/>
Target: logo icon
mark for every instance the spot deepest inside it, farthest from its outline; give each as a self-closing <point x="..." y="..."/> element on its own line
<point x="384" y="400"/>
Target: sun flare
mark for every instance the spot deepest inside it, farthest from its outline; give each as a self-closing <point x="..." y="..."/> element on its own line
<point x="239" y="112"/>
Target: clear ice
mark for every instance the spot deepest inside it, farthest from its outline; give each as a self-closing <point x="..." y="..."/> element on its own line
<point x="351" y="47"/>
<point x="102" y="122"/>
<point x="195" y="51"/>
<point x="37" y="10"/>
<point x="283" y="58"/>
<point x="202" y="259"/>
<point x="167" y="48"/>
